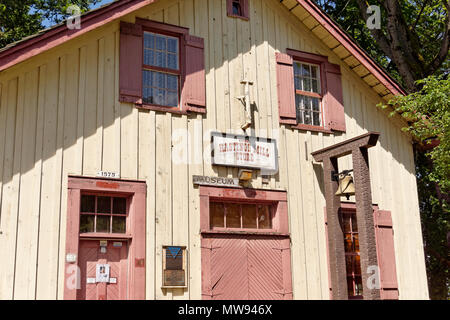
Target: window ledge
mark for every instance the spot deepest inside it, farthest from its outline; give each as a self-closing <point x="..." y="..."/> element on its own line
<point x="306" y="127"/>
<point x="174" y="110"/>
<point x="246" y="232"/>
<point x="239" y="17"/>
<point x="105" y="236"/>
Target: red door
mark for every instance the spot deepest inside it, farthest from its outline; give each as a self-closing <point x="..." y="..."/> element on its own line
<point x="252" y="267"/>
<point x="112" y="258"/>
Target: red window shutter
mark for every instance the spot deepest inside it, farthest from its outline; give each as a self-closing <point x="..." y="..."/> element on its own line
<point x="245" y="9"/>
<point x="130" y="77"/>
<point x="334" y="100"/>
<point x="194" y="87"/>
<point x="386" y="255"/>
<point x="286" y="89"/>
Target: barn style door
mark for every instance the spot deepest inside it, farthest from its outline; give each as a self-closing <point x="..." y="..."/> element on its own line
<point x="246" y="267"/>
<point x="111" y="263"/>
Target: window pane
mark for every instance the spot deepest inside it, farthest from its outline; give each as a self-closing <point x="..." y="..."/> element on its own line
<point x="314" y="72"/>
<point x="349" y="264"/>
<point x="158" y="80"/>
<point x="307" y="117"/>
<point x="357" y="264"/>
<point x="346" y="222"/>
<point x="306" y="84"/>
<point x="172" y="82"/>
<point x="160" y="59"/>
<point x="87" y="204"/>
<point x="350" y="287"/>
<point x="149" y="40"/>
<point x="316" y="119"/>
<point x="217" y="215"/>
<point x="249" y="216"/>
<point x="171" y="99"/>
<point x="315" y="86"/>
<point x="86" y="223"/>
<point x="120" y="205"/>
<point x="356" y="243"/>
<point x="264" y="218"/>
<point x="160" y="42"/>
<point x="103" y="224"/>
<point x="233" y="215"/>
<point x="358" y="287"/>
<point x="159" y="97"/>
<point x="354" y="224"/>
<point x="305" y="70"/>
<point x="348" y="243"/>
<point x="172" y="61"/>
<point x="172" y="45"/>
<point x="315" y="104"/>
<point x="297" y="69"/>
<point x="298" y="83"/>
<point x="119" y="224"/>
<point x="149" y="56"/>
<point x="103" y="205"/>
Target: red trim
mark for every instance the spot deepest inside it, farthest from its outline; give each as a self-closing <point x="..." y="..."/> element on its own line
<point x="61" y="34"/>
<point x="136" y="235"/>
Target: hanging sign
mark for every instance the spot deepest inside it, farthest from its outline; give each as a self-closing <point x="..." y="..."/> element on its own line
<point x="244" y="152"/>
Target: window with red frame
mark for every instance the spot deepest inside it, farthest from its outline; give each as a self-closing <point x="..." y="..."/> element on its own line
<point x="161" y="70"/>
<point x="225" y="215"/>
<point x="308" y="95"/>
<point x="352" y="255"/>
<point x="237" y="8"/>
<point x="103" y="214"/>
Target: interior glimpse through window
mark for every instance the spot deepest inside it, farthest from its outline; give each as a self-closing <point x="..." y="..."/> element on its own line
<point x="240" y="216"/>
<point x="237" y="8"/>
<point x="103" y="214"/>
<point x="161" y="74"/>
<point x="308" y="96"/>
<point x="352" y="256"/>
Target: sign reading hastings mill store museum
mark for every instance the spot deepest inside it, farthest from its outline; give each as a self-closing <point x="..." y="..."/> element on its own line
<point x="244" y="152"/>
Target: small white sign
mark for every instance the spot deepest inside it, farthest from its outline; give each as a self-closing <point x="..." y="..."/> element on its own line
<point x="244" y="152"/>
<point x="215" y="181"/>
<point x="112" y="280"/>
<point x="91" y="280"/>
<point x="71" y="258"/>
<point x="107" y="174"/>
<point x="102" y="273"/>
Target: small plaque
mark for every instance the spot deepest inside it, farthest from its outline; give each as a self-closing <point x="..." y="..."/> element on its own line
<point x="91" y="280"/>
<point x="107" y="174"/>
<point x="112" y="280"/>
<point x="117" y="244"/>
<point x="103" y="243"/>
<point x="174" y="278"/>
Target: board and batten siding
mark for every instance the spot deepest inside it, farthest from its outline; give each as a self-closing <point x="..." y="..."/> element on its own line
<point x="60" y="114"/>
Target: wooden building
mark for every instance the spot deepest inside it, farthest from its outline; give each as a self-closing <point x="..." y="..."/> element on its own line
<point x="190" y="149"/>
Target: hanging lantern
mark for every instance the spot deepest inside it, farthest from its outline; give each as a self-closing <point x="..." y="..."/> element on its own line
<point x="346" y="186"/>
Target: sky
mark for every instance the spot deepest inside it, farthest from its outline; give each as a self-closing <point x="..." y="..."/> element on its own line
<point x="48" y="24"/>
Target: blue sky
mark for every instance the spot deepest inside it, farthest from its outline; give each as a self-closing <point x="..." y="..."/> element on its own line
<point x="48" y="24"/>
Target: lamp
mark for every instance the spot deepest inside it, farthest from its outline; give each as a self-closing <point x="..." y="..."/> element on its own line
<point x="346" y="186"/>
<point x="245" y="175"/>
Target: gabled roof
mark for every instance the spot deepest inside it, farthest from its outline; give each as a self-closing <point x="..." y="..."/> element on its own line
<point x="316" y="20"/>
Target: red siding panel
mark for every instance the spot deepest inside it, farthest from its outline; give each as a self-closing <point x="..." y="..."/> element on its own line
<point x="286" y="88"/>
<point x="334" y="100"/>
<point x="130" y="78"/>
<point x="194" y="88"/>
<point x="386" y="254"/>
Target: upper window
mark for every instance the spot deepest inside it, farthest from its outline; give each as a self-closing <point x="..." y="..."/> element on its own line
<point x="240" y="216"/>
<point x="161" y="71"/>
<point x="103" y="214"/>
<point x="237" y="8"/>
<point x="308" y="96"/>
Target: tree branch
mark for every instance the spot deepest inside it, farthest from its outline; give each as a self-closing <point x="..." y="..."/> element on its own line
<point x="445" y="45"/>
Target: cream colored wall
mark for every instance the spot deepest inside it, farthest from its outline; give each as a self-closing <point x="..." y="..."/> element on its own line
<point x="60" y="115"/>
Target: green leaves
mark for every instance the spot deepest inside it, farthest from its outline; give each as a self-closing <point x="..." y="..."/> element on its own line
<point x="19" y="19"/>
<point x="428" y="114"/>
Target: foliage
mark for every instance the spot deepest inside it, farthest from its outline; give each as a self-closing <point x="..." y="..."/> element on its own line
<point x="413" y="42"/>
<point x="19" y="19"/>
<point x="428" y="112"/>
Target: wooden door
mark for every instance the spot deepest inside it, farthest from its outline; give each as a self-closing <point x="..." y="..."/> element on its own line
<point x="115" y="256"/>
<point x="247" y="267"/>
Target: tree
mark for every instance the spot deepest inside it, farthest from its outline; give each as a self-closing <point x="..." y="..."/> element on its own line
<point x="413" y="45"/>
<point x="19" y="19"/>
<point x="414" y="38"/>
